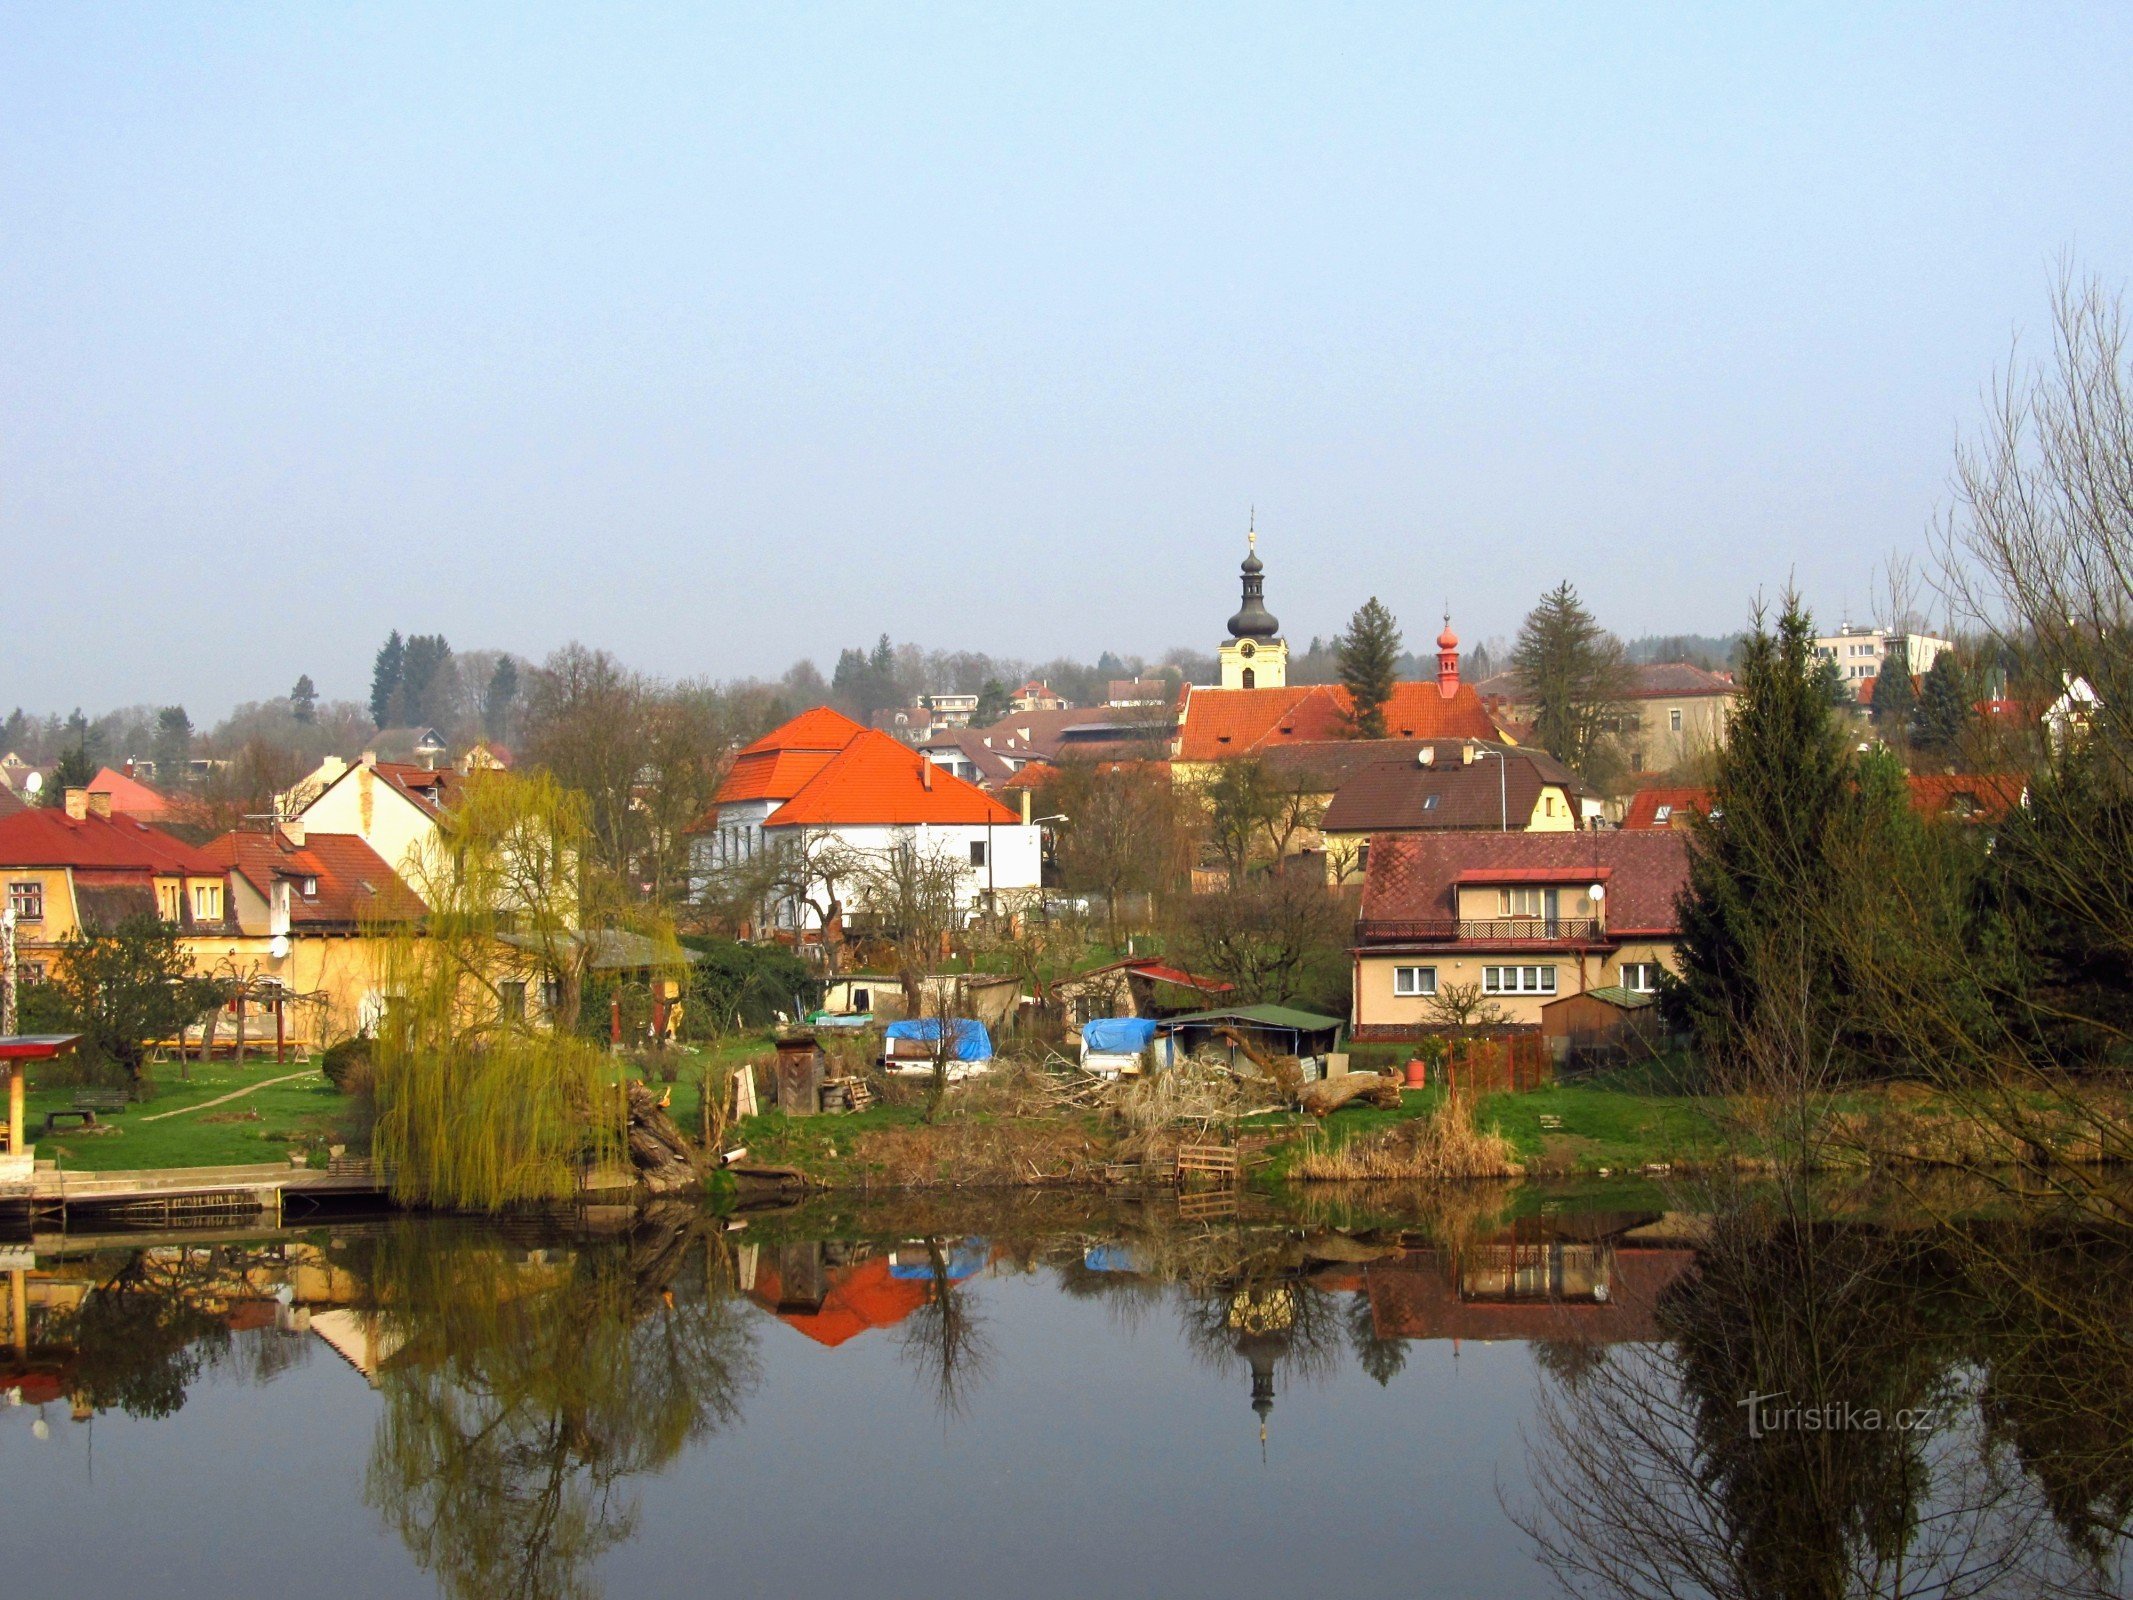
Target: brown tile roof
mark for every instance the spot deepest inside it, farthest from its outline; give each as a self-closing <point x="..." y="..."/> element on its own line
<point x="354" y="883"/>
<point x="1678" y="680"/>
<point x="1396" y="792"/>
<point x="1411" y="875"/>
<point x="1045" y="735"/>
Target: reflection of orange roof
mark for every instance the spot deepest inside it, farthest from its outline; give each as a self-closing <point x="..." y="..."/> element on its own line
<point x="1216" y="724"/>
<point x="859" y="1298"/>
<point x="876" y="781"/>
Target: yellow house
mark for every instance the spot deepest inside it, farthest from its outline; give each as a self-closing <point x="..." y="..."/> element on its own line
<point x="391" y="806"/>
<point x="1506" y="922"/>
<point x="306" y="913"/>
<point x="76" y="868"/>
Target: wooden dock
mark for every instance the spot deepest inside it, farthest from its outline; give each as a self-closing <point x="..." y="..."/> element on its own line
<point x="191" y="1196"/>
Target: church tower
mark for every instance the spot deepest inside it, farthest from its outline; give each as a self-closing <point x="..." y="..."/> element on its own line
<point x="1254" y="656"/>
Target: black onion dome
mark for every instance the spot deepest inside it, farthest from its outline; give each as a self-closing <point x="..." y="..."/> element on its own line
<point x="1253" y="620"/>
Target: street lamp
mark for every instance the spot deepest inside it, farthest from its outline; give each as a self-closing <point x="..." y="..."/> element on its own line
<point x="1503" y="782"/>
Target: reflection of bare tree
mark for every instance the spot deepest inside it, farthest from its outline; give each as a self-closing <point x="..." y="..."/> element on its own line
<point x="1653" y="1482"/>
<point x="529" y="1387"/>
<point x="944" y="1340"/>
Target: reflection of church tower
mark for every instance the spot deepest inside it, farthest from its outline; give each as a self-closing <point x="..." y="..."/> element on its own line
<point x="1263" y="1320"/>
<point x="1254" y="655"/>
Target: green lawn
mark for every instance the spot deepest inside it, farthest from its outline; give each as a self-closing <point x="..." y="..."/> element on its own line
<point x="262" y="1126"/>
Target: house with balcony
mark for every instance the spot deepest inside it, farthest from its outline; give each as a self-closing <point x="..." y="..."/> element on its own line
<point x="1515" y="919"/>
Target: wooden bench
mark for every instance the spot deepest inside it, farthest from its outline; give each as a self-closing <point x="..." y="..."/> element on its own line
<point x="86" y="1105"/>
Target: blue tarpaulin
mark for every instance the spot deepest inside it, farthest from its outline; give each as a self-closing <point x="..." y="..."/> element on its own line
<point x="1117" y="1036"/>
<point x="972" y="1042"/>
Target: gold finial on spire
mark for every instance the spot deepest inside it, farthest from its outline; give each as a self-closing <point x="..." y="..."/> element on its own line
<point x="1251" y="528"/>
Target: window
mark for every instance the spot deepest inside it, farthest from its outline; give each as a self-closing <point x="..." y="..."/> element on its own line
<point x="1518" y="980"/>
<point x="207" y="902"/>
<point x="1636" y="761"/>
<point x="1414" y="980"/>
<point x="1519" y="902"/>
<point x="1429" y="802"/>
<point x="170" y="901"/>
<point x="32" y="973"/>
<point x="511" y="1001"/>
<point x="1640" y="977"/>
<point x="26" y="900"/>
<point x="1673" y="719"/>
<point x="977" y="852"/>
<point x="311" y="893"/>
<point x="1661" y="814"/>
<point x="862" y="999"/>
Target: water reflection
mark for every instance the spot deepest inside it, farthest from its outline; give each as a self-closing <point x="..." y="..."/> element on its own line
<point x="530" y="1379"/>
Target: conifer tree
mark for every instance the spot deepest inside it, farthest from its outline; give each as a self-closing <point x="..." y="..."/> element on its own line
<point x="303" y="699"/>
<point x="1944" y="709"/>
<point x="385" y="678"/>
<point x="1895" y="695"/>
<point x="1575" y="675"/>
<point x="1369" y="660"/>
<point x="1759" y="871"/>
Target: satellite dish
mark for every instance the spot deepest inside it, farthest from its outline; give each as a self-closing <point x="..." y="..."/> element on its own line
<point x="1598" y="892"/>
<point x="279" y="949"/>
<point x="33" y="784"/>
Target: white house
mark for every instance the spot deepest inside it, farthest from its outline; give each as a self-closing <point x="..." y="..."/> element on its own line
<point x="823" y="788"/>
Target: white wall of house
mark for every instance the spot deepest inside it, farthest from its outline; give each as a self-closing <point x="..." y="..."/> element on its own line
<point x="1014" y="851"/>
<point x="364" y="804"/>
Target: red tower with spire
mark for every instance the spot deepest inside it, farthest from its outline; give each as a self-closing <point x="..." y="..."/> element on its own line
<point x="1447" y="660"/>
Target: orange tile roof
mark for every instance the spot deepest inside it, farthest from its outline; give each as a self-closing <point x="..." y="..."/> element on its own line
<point x="1980" y="796"/>
<point x="129" y="796"/>
<point x="876" y="781"/>
<point x="821" y="728"/>
<point x="354" y="883"/>
<point x="1644" y="807"/>
<point x="779" y="765"/>
<point x="1216" y="724"/>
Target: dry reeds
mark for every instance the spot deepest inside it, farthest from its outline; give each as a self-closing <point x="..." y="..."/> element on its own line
<point x="1447" y="1144"/>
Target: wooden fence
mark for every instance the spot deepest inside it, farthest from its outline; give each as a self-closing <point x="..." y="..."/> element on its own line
<point x="1511" y="1063"/>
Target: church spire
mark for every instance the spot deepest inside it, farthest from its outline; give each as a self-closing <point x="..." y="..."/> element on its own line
<point x="1253" y="620"/>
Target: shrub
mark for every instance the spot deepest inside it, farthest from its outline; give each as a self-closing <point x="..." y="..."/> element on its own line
<point x="347" y="1065"/>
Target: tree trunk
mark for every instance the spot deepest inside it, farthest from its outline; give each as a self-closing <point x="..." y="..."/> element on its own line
<point x="1330" y="1094"/>
<point x="658" y="1152"/>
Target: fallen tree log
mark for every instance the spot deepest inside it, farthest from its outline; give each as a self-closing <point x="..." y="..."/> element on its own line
<point x="1330" y="1094"/>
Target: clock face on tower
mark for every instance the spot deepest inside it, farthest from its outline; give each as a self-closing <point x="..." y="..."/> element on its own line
<point x="1245" y="648"/>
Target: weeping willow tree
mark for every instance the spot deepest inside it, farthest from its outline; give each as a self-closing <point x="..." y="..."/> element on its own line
<point x="486" y="1098"/>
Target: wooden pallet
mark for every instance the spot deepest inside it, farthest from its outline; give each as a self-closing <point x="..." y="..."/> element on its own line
<point x="1207" y="1205"/>
<point x="1207" y="1161"/>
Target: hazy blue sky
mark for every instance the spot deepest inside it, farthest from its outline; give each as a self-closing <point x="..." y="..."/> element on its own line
<point x="721" y="337"/>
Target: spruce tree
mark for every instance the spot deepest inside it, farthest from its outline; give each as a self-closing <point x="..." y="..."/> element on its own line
<point x="1369" y="659"/>
<point x="303" y="699"/>
<point x="173" y="745"/>
<point x="1759" y="870"/>
<point x="1829" y="678"/>
<point x="1944" y="709"/>
<point x="1575" y="675"/>
<point x="498" y="700"/>
<point x="385" y="679"/>
<point x="1895" y="695"/>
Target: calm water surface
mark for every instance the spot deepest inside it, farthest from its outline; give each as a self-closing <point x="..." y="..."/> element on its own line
<point x="1494" y="1396"/>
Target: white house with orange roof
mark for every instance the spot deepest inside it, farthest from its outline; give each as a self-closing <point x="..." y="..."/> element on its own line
<point x="823" y="787"/>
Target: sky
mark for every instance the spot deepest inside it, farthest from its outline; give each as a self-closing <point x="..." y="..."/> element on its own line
<point x="719" y="337"/>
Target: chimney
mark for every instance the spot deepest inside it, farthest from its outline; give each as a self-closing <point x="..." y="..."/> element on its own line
<point x="1466" y="753"/>
<point x="100" y="803"/>
<point x="292" y="830"/>
<point x="370" y="758"/>
<point x="1447" y="660"/>
<point x="925" y="776"/>
<point x="77" y="804"/>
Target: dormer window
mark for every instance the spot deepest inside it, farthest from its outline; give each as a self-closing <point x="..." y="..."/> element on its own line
<point x="310" y="887"/>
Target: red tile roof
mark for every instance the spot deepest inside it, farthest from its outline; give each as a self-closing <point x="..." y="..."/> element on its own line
<point x="875" y="781"/>
<point x="1216" y="724"/>
<point x="1677" y="680"/>
<point x="1980" y="797"/>
<point x="430" y="788"/>
<point x="1646" y="804"/>
<point x="1412" y="876"/>
<point x="45" y="836"/>
<point x="130" y="795"/>
<point x="354" y="883"/>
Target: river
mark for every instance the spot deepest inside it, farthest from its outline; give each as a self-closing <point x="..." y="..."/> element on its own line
<point x="1493" y="1392"/>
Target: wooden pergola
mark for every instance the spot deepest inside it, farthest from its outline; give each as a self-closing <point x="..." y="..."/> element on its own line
<point x="17" y="1051"/>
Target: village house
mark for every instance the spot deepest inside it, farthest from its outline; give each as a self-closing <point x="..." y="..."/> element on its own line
<point x="1955" y="796"/>
<point x="822" y="788"/>
<point x="1673" y="714"/>
<point x="1035" y="696"/>
<point x="309" y="914"/>
<point x="79" y="868"/>
<point x="1429" y="786"/>
<point x="1859" y="652"/>
<point x="393" y="807"/>
<point x="1514" y="920"/>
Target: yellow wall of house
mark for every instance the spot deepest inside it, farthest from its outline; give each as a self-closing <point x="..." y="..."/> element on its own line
<point x="1377" y="1006"/>
<point x="1658" y="746"/>
<point x="329" y="978"/>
